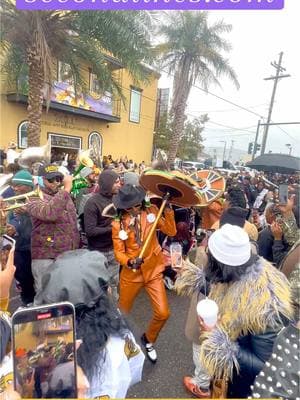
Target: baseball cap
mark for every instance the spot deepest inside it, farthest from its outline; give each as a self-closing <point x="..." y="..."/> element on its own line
<point x="49" y="171"/>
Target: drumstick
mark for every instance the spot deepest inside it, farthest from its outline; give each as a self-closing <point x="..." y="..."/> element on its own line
<point x="153" y="228"/>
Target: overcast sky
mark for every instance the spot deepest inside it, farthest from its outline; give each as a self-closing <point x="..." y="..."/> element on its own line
<point x="257" y="38"/>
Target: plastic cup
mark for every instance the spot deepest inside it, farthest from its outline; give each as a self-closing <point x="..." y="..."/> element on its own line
<point x="208" y="310"/>
<point x="176" y="255"/>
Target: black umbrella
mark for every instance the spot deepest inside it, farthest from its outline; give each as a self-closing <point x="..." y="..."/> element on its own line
<point x="281" y="163"/>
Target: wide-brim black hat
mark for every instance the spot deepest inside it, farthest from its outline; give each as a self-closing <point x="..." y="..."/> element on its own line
<point x="128" y="196"/>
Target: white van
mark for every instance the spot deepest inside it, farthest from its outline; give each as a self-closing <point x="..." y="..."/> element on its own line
<point x="192" y="165"/>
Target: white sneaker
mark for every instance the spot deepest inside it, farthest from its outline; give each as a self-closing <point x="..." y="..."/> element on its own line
<point x="150" y="350"/>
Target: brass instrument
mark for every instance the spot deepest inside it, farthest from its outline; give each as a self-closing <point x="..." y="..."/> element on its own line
<point x="79" y="182"/>
<point x="269" y="183"/>
<point x="84" y="161"/>
<point x="33" y="155"/>
<point x="22" y="197"/>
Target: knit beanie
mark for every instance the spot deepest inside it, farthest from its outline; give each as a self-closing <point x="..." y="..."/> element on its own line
<point x="230" y="245"/>
<point x="234" y="216"/>
<point x="131" y="178"/>
<point x="23" y="177"/>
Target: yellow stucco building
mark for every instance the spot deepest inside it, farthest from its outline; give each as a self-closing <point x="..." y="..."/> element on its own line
<point x="72" y="123"/>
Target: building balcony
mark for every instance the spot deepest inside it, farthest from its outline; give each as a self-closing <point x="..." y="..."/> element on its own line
<point x="104" y="106"/>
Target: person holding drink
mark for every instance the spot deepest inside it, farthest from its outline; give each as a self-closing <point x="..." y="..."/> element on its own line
<point x="250" y="297"/>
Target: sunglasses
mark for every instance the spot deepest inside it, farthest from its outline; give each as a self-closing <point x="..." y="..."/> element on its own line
<point x="57" y="179"/>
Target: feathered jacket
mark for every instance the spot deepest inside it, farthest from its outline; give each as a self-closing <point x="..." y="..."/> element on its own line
<point x="251" y="312"/>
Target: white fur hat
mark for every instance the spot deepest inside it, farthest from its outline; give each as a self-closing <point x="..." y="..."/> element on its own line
<point x="230" y="245"/>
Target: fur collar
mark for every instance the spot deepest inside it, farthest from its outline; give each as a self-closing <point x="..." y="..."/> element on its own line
<point x="256" y="302"/>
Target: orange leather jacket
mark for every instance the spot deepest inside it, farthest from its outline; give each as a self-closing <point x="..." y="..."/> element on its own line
<point x="129" y="249"/>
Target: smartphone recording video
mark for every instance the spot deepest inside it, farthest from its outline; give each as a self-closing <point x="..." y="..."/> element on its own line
<point x="44" y="353"/>
<point x="7" y="242"/>
<point x="176" y="255"/>
<point x="283" y="194"/>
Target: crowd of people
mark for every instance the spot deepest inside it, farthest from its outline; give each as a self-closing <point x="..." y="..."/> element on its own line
<point x="68" y="160"/>
<point x="84" y="246"/>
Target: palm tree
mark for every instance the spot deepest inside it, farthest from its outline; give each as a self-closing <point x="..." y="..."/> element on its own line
<point x="32" y="41"/>
<point x="192" y="52"/>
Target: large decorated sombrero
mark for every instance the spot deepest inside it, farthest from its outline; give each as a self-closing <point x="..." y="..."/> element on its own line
<point x="183" y="190"/>
<point x="211" y="185"/>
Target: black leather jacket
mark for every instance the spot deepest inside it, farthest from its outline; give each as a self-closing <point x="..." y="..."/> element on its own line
<point x="254" y="351"/>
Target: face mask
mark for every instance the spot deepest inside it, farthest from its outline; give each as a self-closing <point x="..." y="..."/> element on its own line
<point x="40" y="182"/>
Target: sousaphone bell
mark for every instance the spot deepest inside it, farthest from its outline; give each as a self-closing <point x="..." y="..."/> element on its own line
<point x="181" y="190"/>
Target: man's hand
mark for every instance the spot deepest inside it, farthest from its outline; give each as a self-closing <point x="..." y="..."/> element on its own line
<point x="68" y="182"/>
<point x="287" y="208"/>
<point x="7" y="274"/>
<point x="203" y="326"/>
<point x="3" y="214"/>
<point x="269" y="196"/>
<point x="20" y="210"/>
<point x="135" y="263"/>
<point x="10" y="230"/>
<point x="276" y="231"/>
<point x="82" y="384"/>
<point x="167" y="197"/>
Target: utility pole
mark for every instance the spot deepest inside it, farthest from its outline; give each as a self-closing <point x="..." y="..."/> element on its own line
<point x="255" y="141"/>
<point x="230" y="150"/>
<point x="224" y="151"/>
<point x="279" y="70"/>
<point x="289" y="146"/>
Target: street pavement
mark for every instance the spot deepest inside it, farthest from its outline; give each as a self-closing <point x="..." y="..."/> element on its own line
<point x="163" y="379"/>
<point x="174" y="352"/>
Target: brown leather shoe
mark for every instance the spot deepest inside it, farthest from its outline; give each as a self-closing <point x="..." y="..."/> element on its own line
<point x="195" y="389"/>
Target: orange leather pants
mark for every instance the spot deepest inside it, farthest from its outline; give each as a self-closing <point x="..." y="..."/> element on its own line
<point x="158" y="297"/>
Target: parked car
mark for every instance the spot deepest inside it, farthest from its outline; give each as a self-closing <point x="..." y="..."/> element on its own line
<point x="192" y="165"/>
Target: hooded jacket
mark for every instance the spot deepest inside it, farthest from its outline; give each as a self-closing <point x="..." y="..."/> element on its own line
<point x="98" y="228"/>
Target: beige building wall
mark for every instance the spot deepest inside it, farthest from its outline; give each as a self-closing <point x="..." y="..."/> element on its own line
<point x="119" y="139"/>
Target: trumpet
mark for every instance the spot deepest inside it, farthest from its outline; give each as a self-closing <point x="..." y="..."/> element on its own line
<point x="22" y="199"/>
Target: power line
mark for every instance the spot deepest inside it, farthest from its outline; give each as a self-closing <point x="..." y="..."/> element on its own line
<point x="231" y="127"/>
<point x="225" y="110"/>
<point x="228" y="101"/>
<point x="279" y="127"/>
<point x="225" y="126"/>
<point x="219" y="97"/>
<point x="223" y="99"/>
<point x="215" y="123"/>
<point x="228" y="136"/>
